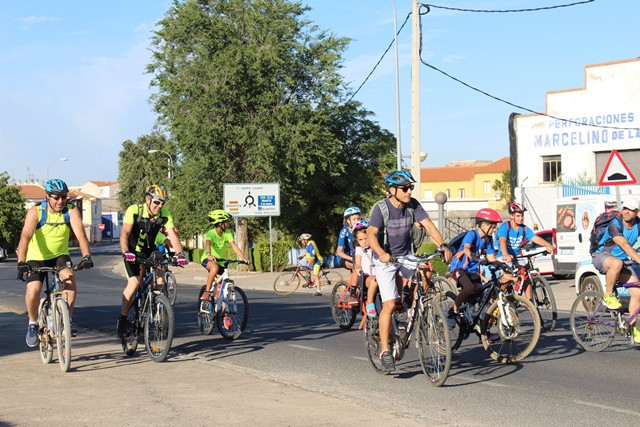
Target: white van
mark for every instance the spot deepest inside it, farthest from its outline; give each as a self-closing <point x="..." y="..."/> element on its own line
<point x="574" y="220"/>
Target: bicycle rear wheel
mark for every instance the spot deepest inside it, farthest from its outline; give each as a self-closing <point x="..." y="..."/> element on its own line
<point x="329" y="278"/>
<point x="372" y="345"/>
<point x="46" y="349"/>
<point x="545" y="303"/>
<point x="170" y="287"/>
<point x="159" y="328"/>
<point x="204" y="312"/>
<point x="442" y="284"/>
<point x="286" y="283"/>
<point x="63" y="333"/>
<point x="591" y="323"/>
<point x="343" y="314"/>
<point x="434" y="344"/>
<point x="446" y="301"/>
<point x="234" y="313"/>
<point x="512" y="338"/>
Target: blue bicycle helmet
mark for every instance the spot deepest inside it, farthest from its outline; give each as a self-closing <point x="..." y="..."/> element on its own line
<point x="351" y="211"/>
<point x="56" y="186"/>
<point x="399" y="178"/>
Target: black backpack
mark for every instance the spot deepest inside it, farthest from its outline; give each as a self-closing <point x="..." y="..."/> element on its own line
<point x="600" y="225"/>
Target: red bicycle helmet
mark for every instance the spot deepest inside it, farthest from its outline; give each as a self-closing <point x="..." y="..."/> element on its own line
<point x="488" y="215"/>
<point x="516" y="207"/>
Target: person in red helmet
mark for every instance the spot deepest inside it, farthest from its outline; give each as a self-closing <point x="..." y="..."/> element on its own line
<point x="479" y="241"/>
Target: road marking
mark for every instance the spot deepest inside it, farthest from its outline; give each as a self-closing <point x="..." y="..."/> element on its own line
<point x="366" y="359"/>
<point x="304" y="347"/>
<point x="609" y="408"/>
<point x="483" y="382"/>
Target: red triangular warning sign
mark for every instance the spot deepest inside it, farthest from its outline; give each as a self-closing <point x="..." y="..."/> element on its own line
<point x="616" y="171"/>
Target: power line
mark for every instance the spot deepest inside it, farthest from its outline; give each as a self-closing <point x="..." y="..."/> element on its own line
<point x="536" y="9"/>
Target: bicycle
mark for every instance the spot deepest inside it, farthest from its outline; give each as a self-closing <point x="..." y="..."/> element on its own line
<point x="150" y="314"/>
<point x="170" y="288"/>
<point x="432" y="335"/>
<point x="54" y="325"/>
<point x="287" y="283"/>
<point x="594" y="325"/>
<point x="227" y="304"/>
<point x="543" y="297"/>
<point x="508" y="324"/>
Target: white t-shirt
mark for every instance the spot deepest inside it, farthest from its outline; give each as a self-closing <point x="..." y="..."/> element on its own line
<point x="365" y="261"/>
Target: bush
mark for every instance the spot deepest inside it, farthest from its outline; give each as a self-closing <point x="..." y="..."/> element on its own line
<point x="196" y="254"/>
<point x="280" y="255"/>
<point x="438" y="264"/>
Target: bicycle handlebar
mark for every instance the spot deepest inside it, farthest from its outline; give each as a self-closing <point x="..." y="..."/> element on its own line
<point x="55" y="269"/>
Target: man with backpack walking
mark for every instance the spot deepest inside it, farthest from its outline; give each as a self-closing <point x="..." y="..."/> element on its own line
<point x="615" y="247"/>
<point x="513" y="235"/>
<point x="389" y="237"/>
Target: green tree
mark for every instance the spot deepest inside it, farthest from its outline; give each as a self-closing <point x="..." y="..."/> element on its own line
<point x="251" y="92"/>
<point x="12" y="213"/>
<point x="502" y="185"/>
<point x="137" y="168"/>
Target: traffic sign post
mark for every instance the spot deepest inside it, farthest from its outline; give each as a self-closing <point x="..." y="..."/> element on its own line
<point x="617" y="173"/>
<point x="101" y="227"/>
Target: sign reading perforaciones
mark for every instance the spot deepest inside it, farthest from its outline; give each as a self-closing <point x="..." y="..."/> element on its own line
<point x="256" y="199"/>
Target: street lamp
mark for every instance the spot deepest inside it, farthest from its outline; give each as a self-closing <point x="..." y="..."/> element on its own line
<point x="423" y="156"/>
<point x="168" y="156"/>
<point x="62" y="159"/>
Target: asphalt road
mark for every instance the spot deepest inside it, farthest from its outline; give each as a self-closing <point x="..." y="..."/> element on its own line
<point x="293" y="341"/>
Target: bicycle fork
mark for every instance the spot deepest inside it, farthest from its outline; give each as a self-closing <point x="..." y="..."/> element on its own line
<point x="505" y="315"/>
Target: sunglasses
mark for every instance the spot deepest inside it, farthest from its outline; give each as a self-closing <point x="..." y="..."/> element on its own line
<point x="158" y="202"/>
<point x="58" y="196"/>
<point x="406" y="188"/>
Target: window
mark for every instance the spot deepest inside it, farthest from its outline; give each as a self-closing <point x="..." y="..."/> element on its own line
<point x="487" y="187"/>
<point x="461" y="193"/>
<point x="551" y="168"/>
<point x="428" y="194"/>
<point x="448" y="192"/>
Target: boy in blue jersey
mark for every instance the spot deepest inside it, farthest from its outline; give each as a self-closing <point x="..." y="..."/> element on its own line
<point x="615" y="248"/>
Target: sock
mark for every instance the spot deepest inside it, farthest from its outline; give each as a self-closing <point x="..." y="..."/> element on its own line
<point x="371" y="310"/>
<point x="32" y="323"/>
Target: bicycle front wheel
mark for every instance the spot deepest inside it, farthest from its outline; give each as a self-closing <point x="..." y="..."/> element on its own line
<point x="442" y="284"/>
<point x="592" y="324"/>
<point x="510" y="337"/>
<point x="446" y="301"/>
<point x="545" y="303"/>
<point x="233" y="316"/>
<point x="63" y="333"/>
<point x="343" y="313"/>
<point x="286" y="284"/>
<point x="434" y="344"/>
<point x="159" y="328"/>
<point x="170" y="287"/>
<point x="46" y="348"/>
<point x="329" y="278"/>
<point x="205" y="315"/>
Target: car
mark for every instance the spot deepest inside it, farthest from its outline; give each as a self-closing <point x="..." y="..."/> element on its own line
<point x="3" y="254"/>
<point x="544" y="261"/>
<point x="587" y="278"/>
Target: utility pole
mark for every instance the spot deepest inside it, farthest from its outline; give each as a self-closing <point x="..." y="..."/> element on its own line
<point x="415" y="101"/>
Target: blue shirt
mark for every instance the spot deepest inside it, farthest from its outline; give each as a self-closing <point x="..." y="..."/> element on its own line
<point x="398" y="227"/>
<point x="617" y="229"/>
<point x="478" y="247"/>
<point x="515" y="238"/>
<point x="345" y="239"/>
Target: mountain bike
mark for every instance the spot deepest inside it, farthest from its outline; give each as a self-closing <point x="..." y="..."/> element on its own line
<point x="287" y="283"/>
<point x="54" y="326"/>
<point x="543" y="298"/>
<point x="170" y="288"/>
<point x="430" y="323"/>
<point x="508" y="324"/>
<point x="227" y="304"/>
<point x="594" y="325"/>
<point x="150" y="315"/>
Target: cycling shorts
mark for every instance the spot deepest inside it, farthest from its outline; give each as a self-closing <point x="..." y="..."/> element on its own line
<point x="60" y="261"/>
<point x="220" y="267"/>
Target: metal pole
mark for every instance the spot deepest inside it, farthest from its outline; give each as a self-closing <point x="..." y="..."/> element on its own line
<point x="395" y="40"/>
<point x="415" y="101"/>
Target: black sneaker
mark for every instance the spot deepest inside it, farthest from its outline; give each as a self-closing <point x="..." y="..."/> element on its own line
<point x="122" y="326"/>
<point x="388" y="364"/>
<point x="74" y="329"/>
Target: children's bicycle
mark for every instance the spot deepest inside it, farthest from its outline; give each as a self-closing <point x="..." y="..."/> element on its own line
<point x="287" y="283"/>
<point x="508" y="324"/>
<point x="594" y="325"/>
<point x="227" y="305"/>
<point x="150" y="314"/>
<point x="430" y="323"/>
<point x="346" y="302"/>
<point x="54" y="325"/>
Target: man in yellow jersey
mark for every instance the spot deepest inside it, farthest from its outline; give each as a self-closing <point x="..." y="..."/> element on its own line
<point x="140" y="227"/>
<point x="44" y="242"/>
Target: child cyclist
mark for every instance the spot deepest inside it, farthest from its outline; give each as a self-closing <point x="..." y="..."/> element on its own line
<point x="364" y="265"/>
<point x="217" y="240"/>
<point x="314" y="259"/>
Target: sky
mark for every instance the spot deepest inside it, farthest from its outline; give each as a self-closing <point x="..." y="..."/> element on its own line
<point x="73" y="82"/>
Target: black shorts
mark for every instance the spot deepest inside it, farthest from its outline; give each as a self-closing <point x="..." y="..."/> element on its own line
<point x="61" y="261"/>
